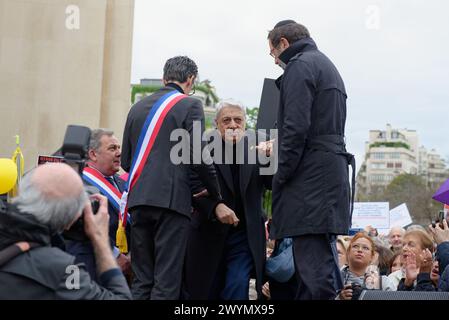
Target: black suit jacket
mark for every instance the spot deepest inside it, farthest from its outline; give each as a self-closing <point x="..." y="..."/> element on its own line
<point x="162" y="183"/>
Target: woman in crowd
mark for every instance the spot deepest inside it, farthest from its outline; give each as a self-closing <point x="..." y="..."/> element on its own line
<point x="360" y="255"/>
<point x="382" y="257"/>
<point x="417" y="258"/>
<point x="396" y="262"/>
<point x="435" y="273"/>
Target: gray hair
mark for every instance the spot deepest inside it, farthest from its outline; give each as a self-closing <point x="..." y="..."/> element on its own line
<point x="416" y="227"/>
<point x="398" y="228"/>
<point x="179" y="69"/>
<point x="96" y="135"/>
<point x="229" y="103"/>
<point x="56" y="213"/>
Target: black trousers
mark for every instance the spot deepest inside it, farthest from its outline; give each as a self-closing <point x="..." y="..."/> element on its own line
<point x="158" y="246"/>
<point x="315" y="267"/>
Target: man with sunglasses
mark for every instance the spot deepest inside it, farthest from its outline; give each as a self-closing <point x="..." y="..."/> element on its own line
<point x="311" y="192"/>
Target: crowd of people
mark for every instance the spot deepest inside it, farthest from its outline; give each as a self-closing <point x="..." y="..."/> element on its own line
<point x="196" y="229"/>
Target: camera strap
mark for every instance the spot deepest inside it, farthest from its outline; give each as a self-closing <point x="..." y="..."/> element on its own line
<point x="16" y="249"/>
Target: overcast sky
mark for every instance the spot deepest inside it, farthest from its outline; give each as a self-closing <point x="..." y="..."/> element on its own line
<point x="393" y="55"/>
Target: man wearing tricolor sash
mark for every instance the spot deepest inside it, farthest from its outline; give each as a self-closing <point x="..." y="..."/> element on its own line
<point x="101" y="172"/>
<point x="158" y="195"/>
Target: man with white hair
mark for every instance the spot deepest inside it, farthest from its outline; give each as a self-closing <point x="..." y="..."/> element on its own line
<point x="225" y="250"/>
<point x="51" y="198"/>
<point x="395" y="238"/>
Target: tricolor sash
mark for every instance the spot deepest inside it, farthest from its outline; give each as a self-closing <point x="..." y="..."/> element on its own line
<point x="95" y="178"/>
<point x="145" y="143"/>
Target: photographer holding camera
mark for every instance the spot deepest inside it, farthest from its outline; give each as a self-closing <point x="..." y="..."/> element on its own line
<point x="51" y="198"/>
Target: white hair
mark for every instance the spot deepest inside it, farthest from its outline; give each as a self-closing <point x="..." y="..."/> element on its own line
<point x="416" y="227"/>
<point x="396" y="228"/>
<point x="56" y="213"/>
<point x="229" y="103"/>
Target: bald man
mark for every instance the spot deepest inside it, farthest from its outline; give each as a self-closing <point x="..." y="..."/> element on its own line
<point x="51" y="198"/>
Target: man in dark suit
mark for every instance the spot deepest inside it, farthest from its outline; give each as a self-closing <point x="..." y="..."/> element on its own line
<point x="311" y="192"/>
<point x="104" y="157"/>
<point x="221" y="258"/>
<point x="160" y="199"/>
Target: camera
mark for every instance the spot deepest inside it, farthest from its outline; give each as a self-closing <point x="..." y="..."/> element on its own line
<point x="74" y="153"/>
<point x="75" y="147"/>
<point x="439" y="219"/>
<point x="356" y="291"/>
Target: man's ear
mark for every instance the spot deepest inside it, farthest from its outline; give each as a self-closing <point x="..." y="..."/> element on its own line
<point x="192" y="80"/>
<point x="285" y="42"/>
<point x="164" y="82"/>
<point x="92" y="155"/>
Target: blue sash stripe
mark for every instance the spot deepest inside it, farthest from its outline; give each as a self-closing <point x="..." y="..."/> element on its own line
<point x="110" y="198"/>
<point x="143" y="132"/>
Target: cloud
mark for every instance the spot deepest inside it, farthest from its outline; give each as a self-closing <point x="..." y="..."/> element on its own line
<point x="396" y="73"/>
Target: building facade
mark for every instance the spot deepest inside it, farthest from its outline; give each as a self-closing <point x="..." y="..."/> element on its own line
<point x="392" y="152"/>
<point x="62" y="62"/>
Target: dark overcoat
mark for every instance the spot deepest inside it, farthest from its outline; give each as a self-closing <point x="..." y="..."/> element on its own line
<point x="208" y="236"/>
<point x="311" y="191"/>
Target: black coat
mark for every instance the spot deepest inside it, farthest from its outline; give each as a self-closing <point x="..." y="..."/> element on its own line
<point x="43" y="272"/>
<point x="162" y="183"/>
<point x="311" y="193"/>
<point x="208" y="236"/>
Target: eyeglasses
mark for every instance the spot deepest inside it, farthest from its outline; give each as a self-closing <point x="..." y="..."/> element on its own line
<point x="359" y="247"/>
<point x="275" y="48"/>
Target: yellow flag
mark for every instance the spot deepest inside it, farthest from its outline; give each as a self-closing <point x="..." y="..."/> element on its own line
<point x="120" y="238"/>
<point x="17" y="157"/>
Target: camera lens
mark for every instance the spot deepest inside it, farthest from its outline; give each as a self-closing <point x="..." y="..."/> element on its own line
<point x="95" y="206"/>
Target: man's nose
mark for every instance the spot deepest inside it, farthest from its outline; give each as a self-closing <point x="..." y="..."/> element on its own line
<point x="233" y="124"/>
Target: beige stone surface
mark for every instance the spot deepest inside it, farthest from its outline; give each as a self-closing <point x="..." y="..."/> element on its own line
<point x="52" y="76"/>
